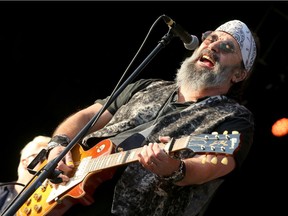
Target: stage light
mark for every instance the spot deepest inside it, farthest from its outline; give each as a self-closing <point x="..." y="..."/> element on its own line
<point x="280" y="127"/>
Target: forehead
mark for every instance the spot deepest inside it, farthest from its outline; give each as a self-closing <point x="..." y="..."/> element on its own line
<point x="222" y="34"/>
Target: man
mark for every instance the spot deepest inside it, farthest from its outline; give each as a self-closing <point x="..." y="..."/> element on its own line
<point x="200" y="101"/>
<point x="9" y="190"/>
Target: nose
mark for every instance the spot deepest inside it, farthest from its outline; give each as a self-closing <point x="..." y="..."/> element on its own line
<point x="215" y="46"/>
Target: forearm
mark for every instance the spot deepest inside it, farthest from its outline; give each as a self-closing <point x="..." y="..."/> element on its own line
<point x="197" y="172"/>
<point x="72" y="125"/>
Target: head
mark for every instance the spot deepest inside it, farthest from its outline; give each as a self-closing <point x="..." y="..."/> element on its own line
<point x="225" y="57"/>
<point x="27" y="154"/>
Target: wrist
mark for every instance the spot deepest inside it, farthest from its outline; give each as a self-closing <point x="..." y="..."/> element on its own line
<point x="58" y="140"/>
<point x="177" y="175"/>
<point x="62" y="139"/>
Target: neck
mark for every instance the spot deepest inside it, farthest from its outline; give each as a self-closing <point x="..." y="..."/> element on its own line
<point x="186" y="94"/>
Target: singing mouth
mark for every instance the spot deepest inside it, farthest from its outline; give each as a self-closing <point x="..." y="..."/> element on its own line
<point x="207" y="59"/>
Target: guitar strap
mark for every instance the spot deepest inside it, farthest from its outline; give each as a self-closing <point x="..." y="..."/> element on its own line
<point x="139" y="133"/>
<point x="122" y="142"/>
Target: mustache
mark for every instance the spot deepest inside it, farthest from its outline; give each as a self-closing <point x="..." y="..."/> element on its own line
<point x="213" y="55"/>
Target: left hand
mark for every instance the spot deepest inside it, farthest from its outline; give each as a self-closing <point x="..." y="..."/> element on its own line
<point x="155" y="159"/>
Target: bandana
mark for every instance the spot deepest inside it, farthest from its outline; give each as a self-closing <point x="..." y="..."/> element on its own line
<point x="243" y="36"/>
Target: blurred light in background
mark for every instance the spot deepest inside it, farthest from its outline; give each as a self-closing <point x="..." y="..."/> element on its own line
<point x="280" y="127"/>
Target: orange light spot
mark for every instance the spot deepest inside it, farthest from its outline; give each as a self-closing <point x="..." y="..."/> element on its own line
<point x="280" y="127"/>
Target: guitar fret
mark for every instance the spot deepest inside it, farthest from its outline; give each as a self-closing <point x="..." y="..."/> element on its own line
<point x="131" y="155"/>
<point x="94" y="164"/>
<point x="126" y="156"/>
<point x="89" y="166"/>
<point x="99" y="162"/>
<point x="108" y="161"/>
<point x="112" y="159"/>
<point x="102" y="162"/>
<point x="119" y="158"/>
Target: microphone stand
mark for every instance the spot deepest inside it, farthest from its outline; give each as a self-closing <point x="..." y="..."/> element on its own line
<point x="49" y="169"/>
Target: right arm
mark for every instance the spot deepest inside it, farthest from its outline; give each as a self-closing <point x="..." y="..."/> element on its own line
<point x="74" y="123"/>
<point x="70" y="127"/>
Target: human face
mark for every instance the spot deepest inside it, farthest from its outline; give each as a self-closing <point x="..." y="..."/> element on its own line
<point x="27" y="156"/>
<point x="213" y="64"/>
<point x="28" y="160"/>
<point x="222" y="47"/>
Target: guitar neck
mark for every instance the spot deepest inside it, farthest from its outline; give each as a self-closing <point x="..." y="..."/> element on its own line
<point x="208" y="144"/>
<point x="129" y="156"/>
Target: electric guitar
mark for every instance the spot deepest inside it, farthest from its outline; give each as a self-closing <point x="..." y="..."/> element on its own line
<point x="99" y="163"/>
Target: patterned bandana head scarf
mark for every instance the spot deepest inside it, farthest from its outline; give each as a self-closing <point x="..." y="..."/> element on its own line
<point x="243" y="36"/>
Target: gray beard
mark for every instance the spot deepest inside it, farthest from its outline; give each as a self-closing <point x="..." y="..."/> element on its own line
<point x="192" y="78"/>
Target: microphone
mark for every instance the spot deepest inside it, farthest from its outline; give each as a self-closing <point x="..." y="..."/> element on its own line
<point x="191" y="42"/>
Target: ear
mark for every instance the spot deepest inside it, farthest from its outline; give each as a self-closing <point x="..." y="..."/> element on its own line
<point x="239" y="75"/>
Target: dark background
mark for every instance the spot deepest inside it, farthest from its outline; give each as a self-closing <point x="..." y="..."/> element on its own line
<point x="57" y="58"/>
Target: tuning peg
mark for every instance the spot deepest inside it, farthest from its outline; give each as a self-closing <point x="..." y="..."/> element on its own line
<point x="44" y="185"/>
<point x="27" y="210"/>
<point x="37" y="208"/>
<point x="225" y="132"/>
<point x="214" y="160"/>
<point x="204" y="159"/>
<point x="215" y="133"/>
<point x="235" y="132"/>
<point x="224" y="161"/>
<point x="37" y="196"/>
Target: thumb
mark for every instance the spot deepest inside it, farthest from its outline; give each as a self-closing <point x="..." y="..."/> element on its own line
<point x="69" y="160"/>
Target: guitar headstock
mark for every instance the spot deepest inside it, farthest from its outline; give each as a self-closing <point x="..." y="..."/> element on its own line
<point x="215" y="143"/>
